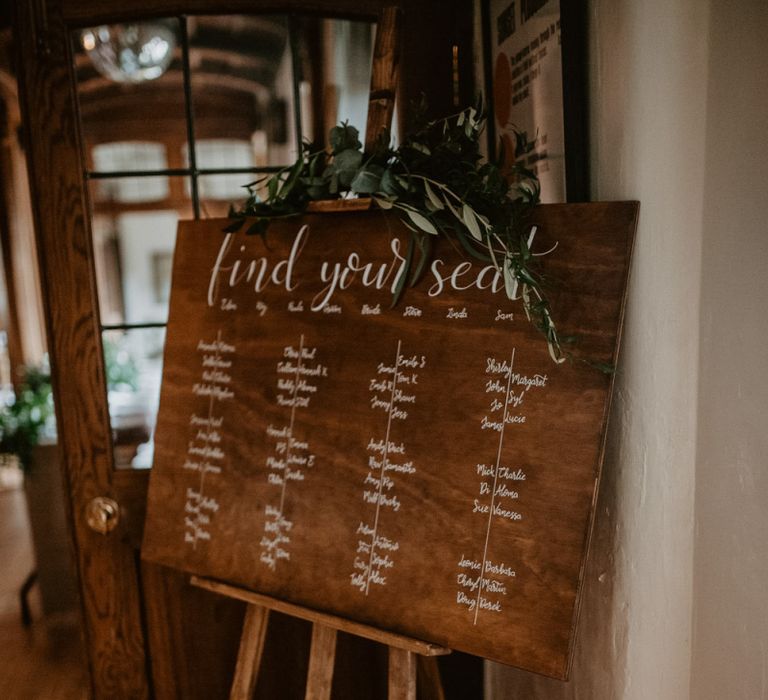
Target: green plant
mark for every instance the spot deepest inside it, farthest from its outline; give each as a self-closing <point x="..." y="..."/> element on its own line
<point x="438" y="185"/>
<point x="27" y="415"/>
<point x="122" y="372"/>
<point x="24" y="419"/>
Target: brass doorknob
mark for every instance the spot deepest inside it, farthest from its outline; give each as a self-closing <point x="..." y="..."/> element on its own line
<point x="102" y="514"/>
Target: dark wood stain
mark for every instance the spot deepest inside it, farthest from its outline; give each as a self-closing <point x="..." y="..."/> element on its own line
<point x="557" y="447"/>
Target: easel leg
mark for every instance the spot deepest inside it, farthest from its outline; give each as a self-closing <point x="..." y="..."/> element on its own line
<point x="249" y="656"/>
<point x="429" y="683"/>
<point x="402" y="675"/>
<point x="321" y="659"/>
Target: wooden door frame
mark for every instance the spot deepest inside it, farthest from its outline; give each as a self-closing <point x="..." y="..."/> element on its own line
<point x="109" y="578"/>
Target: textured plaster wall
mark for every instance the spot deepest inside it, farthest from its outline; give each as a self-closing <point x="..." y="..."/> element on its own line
<point x="730" y="651"/>
<point x="648" y="95"/>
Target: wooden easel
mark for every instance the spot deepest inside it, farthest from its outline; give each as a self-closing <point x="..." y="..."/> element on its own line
<point x="405" y="653"/>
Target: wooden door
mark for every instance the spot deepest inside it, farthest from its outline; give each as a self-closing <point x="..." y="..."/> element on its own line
<point x="147" y="632"/>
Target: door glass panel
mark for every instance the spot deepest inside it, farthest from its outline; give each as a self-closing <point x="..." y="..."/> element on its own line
<point x="133" y="253"/>
<point x="134" y="361"/>
<point x="224" y="154"/>
<point x="334" y="60"/>
<point x="132" y="190"/>
<point x="130" y="84"/>
<point x="242" y="85"/>
<point x="129" y="155"/>
<point x="220" y="192"/>
<point x="256" y="86"/>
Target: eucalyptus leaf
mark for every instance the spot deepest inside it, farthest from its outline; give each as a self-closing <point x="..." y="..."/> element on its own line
<point x="383" y="202"/>
<point x="344" y="137"/>
<point x="421" y="221"/>
<point x="510" y="281"/>
<point x="346" y="165"/>
<point x="367" y="181"/>
<point x="468" y="216"/>
<point x="401" y="280"/>
<point x="436" y="203"/>
<point x="388" y="184"/>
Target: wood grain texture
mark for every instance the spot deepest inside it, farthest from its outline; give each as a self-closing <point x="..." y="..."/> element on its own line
<point x="428" y="682"/>
<point x="106" y="565"/>
<point x="341" y="624"/>
<point x="251" y="650"/>
<point x="384" y="76"/>
<point x="402" y="675"/>
<point x="425" y="469"/>
<point x="321" y="660"/>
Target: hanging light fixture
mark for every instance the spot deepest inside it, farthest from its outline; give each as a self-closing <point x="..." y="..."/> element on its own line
<point x="130" y="53"/>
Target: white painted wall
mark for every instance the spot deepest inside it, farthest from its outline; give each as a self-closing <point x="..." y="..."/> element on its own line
<point x="730" y="649"/>
<point x="648" y="95"/>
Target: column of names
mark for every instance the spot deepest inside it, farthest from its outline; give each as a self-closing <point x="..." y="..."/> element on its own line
<point x="205" y="453"/>
<point x="392" y="392"/>
<point x="298" y="373"/>
<point x="483" y="582"/>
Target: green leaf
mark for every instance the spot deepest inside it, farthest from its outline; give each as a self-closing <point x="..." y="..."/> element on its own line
<point x="425" y="248"/>
<point x="453" y="209"/>
<point x="367" y="180"/>
<point x="436" y="203"/>
<point x="346" y="164"/>
<point x="406" y="269"/>
<point x="383" y="202"/>
<point x="421" y="221"/>
<point x="468" y="216"/>
<point x="257" y="227"/>
<point x="510" y="281"/>
<point x="272" y="186"/>
<point x="344" y="137"/>
<point x="388" y="184"/>
<point x="234" y="226"/>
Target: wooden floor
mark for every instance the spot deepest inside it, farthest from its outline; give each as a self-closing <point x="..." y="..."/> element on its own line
<point x="40" y="662"/>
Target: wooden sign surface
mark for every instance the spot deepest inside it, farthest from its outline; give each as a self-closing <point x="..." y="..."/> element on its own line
<point x="426" y="469"/>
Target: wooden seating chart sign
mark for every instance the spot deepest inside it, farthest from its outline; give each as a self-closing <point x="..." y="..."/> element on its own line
<point x="426" y="469"/>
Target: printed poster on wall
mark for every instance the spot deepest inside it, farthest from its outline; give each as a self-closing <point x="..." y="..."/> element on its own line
<point x="528" y="88"/>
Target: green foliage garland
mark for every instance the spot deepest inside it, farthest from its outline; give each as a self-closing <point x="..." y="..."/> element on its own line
<point x="436" y="182"/>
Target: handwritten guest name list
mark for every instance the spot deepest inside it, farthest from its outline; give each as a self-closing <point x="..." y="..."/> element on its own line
<point x="392" y="391"/>
<point x="205" y="454"/>
<point x="298" y="375"/>
<point x="422" y="467"/>
<point x="483" y="581"/>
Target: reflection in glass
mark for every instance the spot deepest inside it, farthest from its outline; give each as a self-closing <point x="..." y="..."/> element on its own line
<point x="348" y="52"/>
<point x="133" y="248"/>
<point x="133" y="253"/>
<point x="134" y="362"/>
<point x="133" y="190"/>
<point x="242" y="85"/>
<point x="129" y="155"/>
<point x="130" y="53"/>
<point x="219" y="192"/>
<point x="224" y="154"/>
<point x="333" y="69"/>
<point x="130" y="111"/>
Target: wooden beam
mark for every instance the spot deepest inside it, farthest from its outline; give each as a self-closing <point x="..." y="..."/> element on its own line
<point x="384" y="76"/>
<point x="321" y="659"/>
<point x="392" y="639"/>
<point x="251" y="649"/>
<point x="402" y="675"/>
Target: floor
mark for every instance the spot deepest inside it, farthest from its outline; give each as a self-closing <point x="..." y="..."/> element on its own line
<point x="44" y="661"/>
